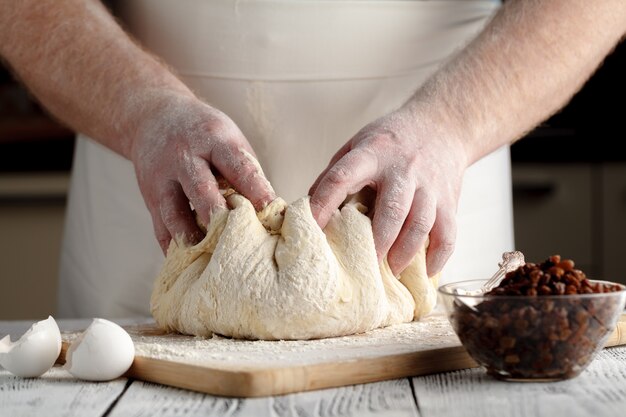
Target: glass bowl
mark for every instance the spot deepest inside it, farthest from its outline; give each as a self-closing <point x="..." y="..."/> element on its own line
<point x="532" y="338"/>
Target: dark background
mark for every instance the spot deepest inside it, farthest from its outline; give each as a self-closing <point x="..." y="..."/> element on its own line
<point x="591" y="127"/>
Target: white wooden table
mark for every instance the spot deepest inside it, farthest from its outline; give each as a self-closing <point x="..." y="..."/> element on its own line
<point x="599" y="391"/>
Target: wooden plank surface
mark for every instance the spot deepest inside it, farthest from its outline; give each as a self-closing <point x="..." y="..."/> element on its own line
<point x="258" y="381"/>
<point x="278" y="381"/>
<point x="236" y="368"/>
<point x="600" y="391"/>
<point x="56" y="393"/>
<point x="389" y="398"/>
<point x="236" y="380"/>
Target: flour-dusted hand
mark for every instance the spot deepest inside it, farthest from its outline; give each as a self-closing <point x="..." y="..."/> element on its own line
<point x="485" y="97"/>
<point x="87" y="71"/>
<point x="417" y="175"/>
<point x="174" y="153"/>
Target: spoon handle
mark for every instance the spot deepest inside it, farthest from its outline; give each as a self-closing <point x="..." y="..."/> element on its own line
<point x="510" y="262"/>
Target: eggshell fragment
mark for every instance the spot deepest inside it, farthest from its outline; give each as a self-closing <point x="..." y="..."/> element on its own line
<point x="102" y="352"/>
<point x="35" y="352"/>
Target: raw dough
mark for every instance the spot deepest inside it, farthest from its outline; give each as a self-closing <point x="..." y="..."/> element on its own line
<point x="276" y="275"/>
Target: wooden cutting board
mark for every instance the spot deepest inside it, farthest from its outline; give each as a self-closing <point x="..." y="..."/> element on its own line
<point x="236" y="368"/>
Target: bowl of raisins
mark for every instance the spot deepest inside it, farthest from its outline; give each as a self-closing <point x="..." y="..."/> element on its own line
<point x="544" y="321"/>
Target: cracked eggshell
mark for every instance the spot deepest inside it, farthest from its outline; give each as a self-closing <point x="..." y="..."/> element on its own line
<point x="102" y="352"/>
<point x="35" y="352"/>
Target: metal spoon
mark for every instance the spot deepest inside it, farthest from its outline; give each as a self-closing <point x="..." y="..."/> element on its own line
<point x="510" y="262"/>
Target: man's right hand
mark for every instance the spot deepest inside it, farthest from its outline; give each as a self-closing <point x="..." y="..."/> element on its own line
<point x="174" y="152"/>
<point x="86" y="71"/>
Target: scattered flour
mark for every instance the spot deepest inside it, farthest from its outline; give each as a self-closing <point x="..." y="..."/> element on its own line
<point x="431" y="332"/>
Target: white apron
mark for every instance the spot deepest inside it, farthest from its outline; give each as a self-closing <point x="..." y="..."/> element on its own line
<point x="299" y="77"/>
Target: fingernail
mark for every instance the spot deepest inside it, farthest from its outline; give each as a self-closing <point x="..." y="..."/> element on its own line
<point x="267" y="201"/>
<point x="430" y="271"/>
<point x="164" y="244"/>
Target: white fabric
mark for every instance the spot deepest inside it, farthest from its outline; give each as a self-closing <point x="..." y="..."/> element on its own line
<point x="299" y="78"/>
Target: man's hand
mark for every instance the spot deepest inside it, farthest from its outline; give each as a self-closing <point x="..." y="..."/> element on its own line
<point x="85" y="70"/>
<point x="173" y="155"/>
<point x="526" y="64"/>
<point x="417" y="177"/>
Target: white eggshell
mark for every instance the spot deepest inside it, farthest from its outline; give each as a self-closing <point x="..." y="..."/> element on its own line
<point x="35" y="352"/>
<point x="102" y="352"/>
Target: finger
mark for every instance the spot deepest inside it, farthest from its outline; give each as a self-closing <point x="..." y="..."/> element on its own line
<point x="201" y="188"/>
<point x="176" y="214"/>
<point x="393" y="202"/>
<point x="336" y="157"/>
<point x="242" y="170"/>
<point x="160" y="231"/>
<point x="442" y="239"/>
<point x="414" y="232"/>
<point x="352" y="172"/>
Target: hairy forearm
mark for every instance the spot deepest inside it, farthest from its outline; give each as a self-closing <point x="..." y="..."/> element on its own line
<point x="84" y="69"/>
<point x="526" y="64"/>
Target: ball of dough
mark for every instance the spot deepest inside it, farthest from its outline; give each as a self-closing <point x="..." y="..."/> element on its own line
<point x="276" y="275"/>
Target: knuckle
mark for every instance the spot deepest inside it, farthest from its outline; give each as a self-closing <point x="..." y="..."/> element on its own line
<point x="182" y="152"/>
<point x="219" y="126"/>
<point x="446" y="247"/>
<point x="394" y="211"/>
<point x="317" y="205"/>
<point x="338" y="175"/>
<point x="201" y="189"/>
<point x="246" y="171"/>
<point x="419" y="226"/>
<point x="165" y="201"/>
<point x="369" y="148"/>
<point x="379" y="140"/>
<point x="170" y="217"/>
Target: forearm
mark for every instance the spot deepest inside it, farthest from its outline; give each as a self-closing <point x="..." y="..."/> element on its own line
<point x="526" y="64"/>
<point x="84" y="69"/>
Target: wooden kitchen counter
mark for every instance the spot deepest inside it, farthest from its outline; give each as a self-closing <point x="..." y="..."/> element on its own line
<point x="599" y="391"/>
